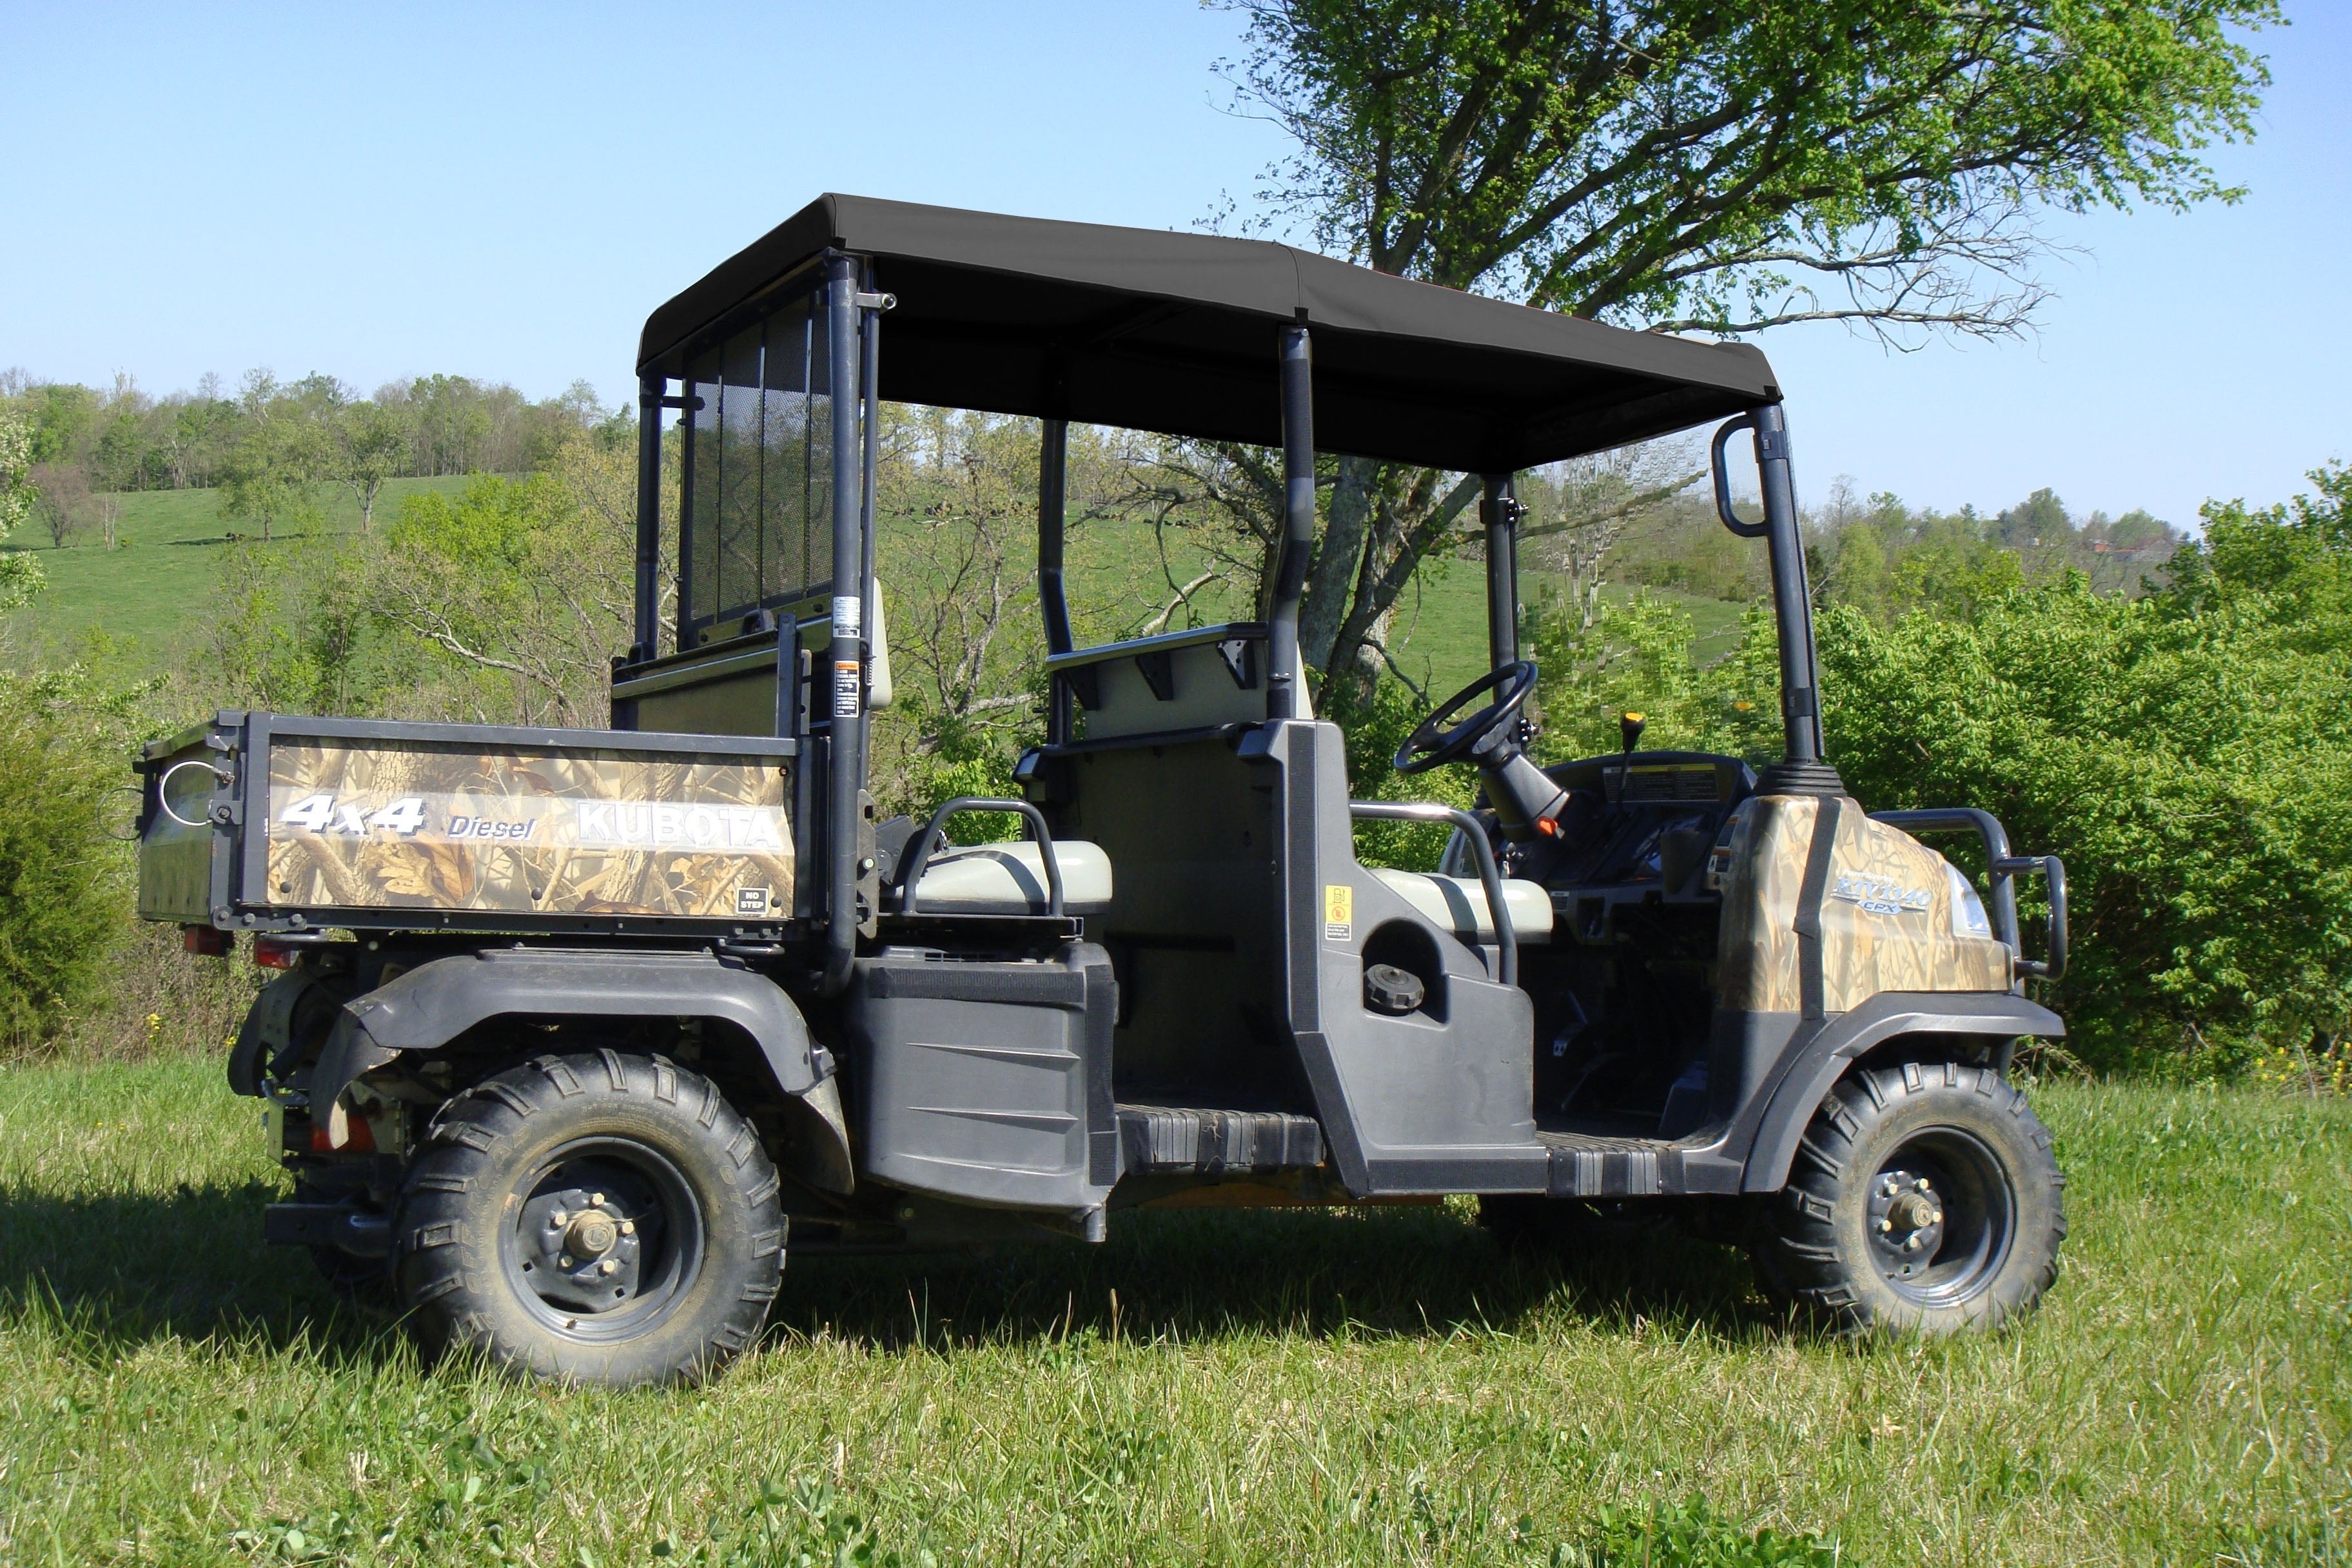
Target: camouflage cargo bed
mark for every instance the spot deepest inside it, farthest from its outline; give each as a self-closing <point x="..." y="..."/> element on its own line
<point x="266" y="822"/>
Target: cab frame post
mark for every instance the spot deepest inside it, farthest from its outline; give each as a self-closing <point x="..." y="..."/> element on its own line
<point x="1284" y="678"/>
<point x="1792" y="604"/>
<point x="652" y="395"/>
<point x="1498" y="507"/>
<point x="846" y="652"/>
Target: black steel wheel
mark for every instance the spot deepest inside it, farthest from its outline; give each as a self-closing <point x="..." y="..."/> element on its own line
<point x="597" y="1217"/>
<point x="1924" y="1196"/>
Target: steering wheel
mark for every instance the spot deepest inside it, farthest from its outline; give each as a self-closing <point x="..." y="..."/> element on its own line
<point x="1434" y="745"/>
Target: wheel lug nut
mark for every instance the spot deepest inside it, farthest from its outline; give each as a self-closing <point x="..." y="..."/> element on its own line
<point x="1886" y="1223"/>
<point x="607" y="1267"/>
<point x="1921" y="1183"/>
<point x="564" y="1261"/>
<point x="629" y="1227"/>
<point x="597" y="1200"/>
<point x="556" y="1218"/>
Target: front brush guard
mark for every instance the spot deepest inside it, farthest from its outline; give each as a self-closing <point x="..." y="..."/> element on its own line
<point x="2004" y="868"/>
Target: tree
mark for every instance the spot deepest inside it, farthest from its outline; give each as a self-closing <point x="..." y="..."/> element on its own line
<point x="272" y="473"/>
<point x="65" y="495"/>
<point x="1685" y="166"/>
<point x="20" y="574"/>
<point x="371" y="445"/>
<point x="523" y="587"/>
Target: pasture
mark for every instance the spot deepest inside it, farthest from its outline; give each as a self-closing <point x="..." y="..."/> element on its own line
<point x="1367" y="1387"/>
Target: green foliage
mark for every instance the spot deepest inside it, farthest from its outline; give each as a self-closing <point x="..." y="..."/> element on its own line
<point x="1374" y="732"/>
<point x="1682" y="164"/>
<point x="2190" y="755"/>
<point x="20" y="574"/>
<point x="63" y="884"/>
<point x="1691" y="1534"/>
<point x="273" y="473"/>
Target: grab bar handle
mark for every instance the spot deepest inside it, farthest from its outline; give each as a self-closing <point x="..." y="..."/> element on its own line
<point x="1506" y="940"/>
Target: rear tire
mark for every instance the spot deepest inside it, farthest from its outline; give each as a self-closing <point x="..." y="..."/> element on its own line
<point x="1924" y="1196"/>
<point x="596" y="1217"/>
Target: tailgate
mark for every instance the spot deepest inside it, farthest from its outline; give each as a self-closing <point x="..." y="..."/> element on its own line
<point x="270" y="822"/>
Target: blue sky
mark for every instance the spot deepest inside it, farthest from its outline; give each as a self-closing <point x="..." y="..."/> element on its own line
<point x="507" y="191"/>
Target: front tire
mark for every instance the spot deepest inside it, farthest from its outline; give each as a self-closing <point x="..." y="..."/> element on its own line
<point x="1924" y="1197"/>
<point x="596" y="1217"/>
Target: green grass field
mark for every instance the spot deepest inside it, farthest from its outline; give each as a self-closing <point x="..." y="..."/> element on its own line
<point x="144" y="594"/>
<point x="1292" y="1388"/>
<point x="162" y="570"/>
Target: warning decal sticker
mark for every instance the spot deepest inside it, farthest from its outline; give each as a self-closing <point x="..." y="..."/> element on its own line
<point x="1338" y="912"/>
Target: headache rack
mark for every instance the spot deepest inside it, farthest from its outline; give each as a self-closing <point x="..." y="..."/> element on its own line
<point x="267" y="822"/>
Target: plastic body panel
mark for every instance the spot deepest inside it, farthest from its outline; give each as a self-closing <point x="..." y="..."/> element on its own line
<point x="1410" y="1104"/>
<point x="309" y="824"/>
<point x="987" y="1082"/>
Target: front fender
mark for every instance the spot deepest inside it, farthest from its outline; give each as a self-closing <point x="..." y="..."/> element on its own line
<point x="435" y="1003"/>
<point x="1821" y="1061"/>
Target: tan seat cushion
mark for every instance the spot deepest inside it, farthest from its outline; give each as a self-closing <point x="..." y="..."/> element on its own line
<point x="1459" y="904"/>
<point x="1010" y="880"/>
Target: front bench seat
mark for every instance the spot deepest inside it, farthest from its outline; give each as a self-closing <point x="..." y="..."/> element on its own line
<point x="1458" y="904"/>
<point x="1010" y="880"/>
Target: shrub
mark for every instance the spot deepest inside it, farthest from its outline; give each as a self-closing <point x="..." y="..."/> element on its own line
<point x="2190" y="755"/>
<point x="63" y="885"/>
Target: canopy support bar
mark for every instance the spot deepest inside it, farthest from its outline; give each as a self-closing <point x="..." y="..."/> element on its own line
<point x="845" y="651"/>
<point x="1285" y="678"/>
<point x="1053" y="589"/>
<point x="1792" y="605"/>
<point x="651" y="390"/>
<point x="1053" y="478"/>
<point x="1498" y="506"/>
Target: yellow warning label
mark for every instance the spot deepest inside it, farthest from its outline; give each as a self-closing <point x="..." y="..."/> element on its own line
<point x="1339" y="911"/>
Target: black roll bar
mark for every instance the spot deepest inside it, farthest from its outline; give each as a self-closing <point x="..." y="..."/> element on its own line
<point x="910" y="872"/>
<point x="846" y="652"/>
<point x="1284" y="678"/>
<point x="1498" y="506"/>
<point x="1053" y="485"/>
<point x="650" y="401"/>
<point x="1792" y="606"/>
<point x="2004" y="867"/>
<point x="1490" y="880"/>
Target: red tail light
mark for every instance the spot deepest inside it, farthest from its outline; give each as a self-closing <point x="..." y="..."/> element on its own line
<point x="206" y="942"/>
<point x="271" y="954"/>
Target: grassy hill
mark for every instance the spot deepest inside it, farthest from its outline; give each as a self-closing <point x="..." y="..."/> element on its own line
<point x="145" y="592"/>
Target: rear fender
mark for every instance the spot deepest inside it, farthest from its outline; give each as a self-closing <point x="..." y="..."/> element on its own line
<point x="1817" y="1063"/>
<point x="433" y="1004"/>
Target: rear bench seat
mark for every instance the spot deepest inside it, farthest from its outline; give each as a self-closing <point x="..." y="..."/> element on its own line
<point x="1010" y="880"/>
<point x="1458" y="904"/>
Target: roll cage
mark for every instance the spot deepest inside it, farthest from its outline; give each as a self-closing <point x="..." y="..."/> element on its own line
<point x="775" y="360"/>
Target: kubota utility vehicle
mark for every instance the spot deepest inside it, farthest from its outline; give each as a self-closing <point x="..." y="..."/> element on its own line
<point x="580" y="1032"/>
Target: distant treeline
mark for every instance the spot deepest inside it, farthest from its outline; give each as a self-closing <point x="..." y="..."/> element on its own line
<point x="90" y="441"/>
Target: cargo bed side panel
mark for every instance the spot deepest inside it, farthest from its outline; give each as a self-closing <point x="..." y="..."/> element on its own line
<point x="389" y="824"/>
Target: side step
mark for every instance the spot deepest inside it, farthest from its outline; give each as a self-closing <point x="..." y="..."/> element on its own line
<point x="1178" y="1140"/>
<point x="1583" y="1166"/>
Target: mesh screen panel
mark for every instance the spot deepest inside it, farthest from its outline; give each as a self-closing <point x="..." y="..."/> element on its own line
<point x="760" y="469"/>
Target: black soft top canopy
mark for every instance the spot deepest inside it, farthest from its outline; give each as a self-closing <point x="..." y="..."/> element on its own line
<point x="1176" y="332"/>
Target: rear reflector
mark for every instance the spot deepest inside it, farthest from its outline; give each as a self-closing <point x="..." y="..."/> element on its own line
<point x="271" y="954"/>
<point x="207" y="941"/>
